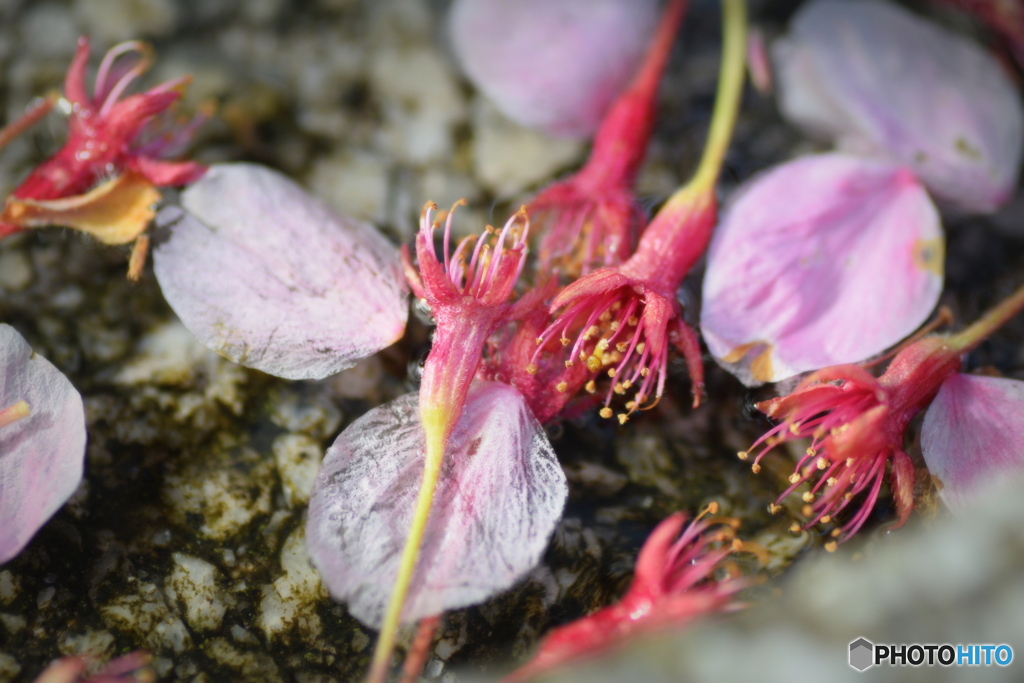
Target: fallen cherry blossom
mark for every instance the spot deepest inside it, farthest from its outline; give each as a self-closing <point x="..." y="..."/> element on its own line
<point x="592" y="218"/>
<point x="856" y="425"/>
<point x="271" y="278"/>
<point x="103" y="180"/>
<point x="824" y="260"/>
<point x="499" y="496"/>
<point x="621" y="321"/>
<point x="972" y="436"/>
<point x="551" y="64"/>
<point x="42" y="441"/>
<point x="675" y="583"/>
<point x="880" y="80"/>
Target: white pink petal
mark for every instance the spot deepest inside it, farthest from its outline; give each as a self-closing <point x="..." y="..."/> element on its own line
<point x="551" y="64"/>
<point x="41" y="453"/>
<point x="825" y="260"/>
<point x="271" y="278"/>
<point x="973" y="436"/>
<point x="879" y="79"/>
<point x="499" y="496"/>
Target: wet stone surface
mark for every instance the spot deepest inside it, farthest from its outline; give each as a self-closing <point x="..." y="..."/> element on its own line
<point x="186" y="536"/>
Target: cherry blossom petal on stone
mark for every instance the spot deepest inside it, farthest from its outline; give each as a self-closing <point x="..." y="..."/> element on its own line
<point x="500" y="494"/>
<point x="271" y="278"/>
<point x="879" y="79"/>
<point x="41" y="454"/>
<point x="972" y="436"/>
<point x="551" y="64"/>
<point x="825" y="260"/>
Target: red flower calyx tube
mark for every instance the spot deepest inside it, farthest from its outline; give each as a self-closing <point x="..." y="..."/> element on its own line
<point x="856" y="425"/>
<point x="591" y="218"/>
<point x="468" y="293"/>
<point x="622" y="320"/>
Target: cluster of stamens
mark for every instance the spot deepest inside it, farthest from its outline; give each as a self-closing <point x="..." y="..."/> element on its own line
<point x="607" y="334"/>
<point x="480" y="267"/>
<point x="847" y="455"/>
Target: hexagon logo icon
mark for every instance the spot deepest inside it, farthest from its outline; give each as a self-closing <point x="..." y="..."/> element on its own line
<point x="862" y="654"/>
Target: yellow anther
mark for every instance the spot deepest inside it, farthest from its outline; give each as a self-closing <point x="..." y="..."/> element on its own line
<point x="565" y="341"/>
<point x="774" y="509"/>
<point x="627" y="384"/>
<point x="849" y="462"/>
<point x="619" y="389"/>
<point x="826" y="519"/>
<point x="568" y="363"/>
<point x="606" y="412"/>
<point x="603" y="345"/>
<point x="836" y="533"/>
<point x="808" y="497"/>
<point x="616" y="306"/>
<point x="795" y="528"/>
<point x="755" y="468"/>
<point x="807" y="511"/>
<point x="831" y="481"/>
<point x="794" y="478"/>
<point x="823" y="463"/>
<point x="531" y="369"/>
<point x="561" y="387"/>
<point x="593" y="363"/>
<point x="622" y="346"/>
<point x="640" y="347"/>
<point x="632" y="321"/>
<point x="623" y="418"/>
<point x="613" y="325"/>
<point x="737" y="545"/>
<point x="591" y="387"/>
<point x="831" y="546"/>
<point x="743" y="455"/>
<point x="611" y="372"/>
<point x="591" y="332"/>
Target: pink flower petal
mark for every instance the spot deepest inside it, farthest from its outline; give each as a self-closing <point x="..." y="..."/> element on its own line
<point x="822" y="261"/>
<point x="500" y="494"/>
<point x="269" y="277"/>
<point x="879" y="79"/>
<point x="972" y="435"/>
<point x="551" y="64"/>
<point x="41" y="454"/>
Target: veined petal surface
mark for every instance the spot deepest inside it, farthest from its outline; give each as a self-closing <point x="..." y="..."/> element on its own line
<point x="41" y="454"/>
<point x="972" y="435"/>
<point x="878" y="79"/>
<point x="271" y="278"/>
<point x="499" y="496"/>
<point x="825" y="260"/>
<point x="551" y="64"/>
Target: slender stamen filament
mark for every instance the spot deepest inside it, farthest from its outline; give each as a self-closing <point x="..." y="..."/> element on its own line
<point x="145" y="61"/>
